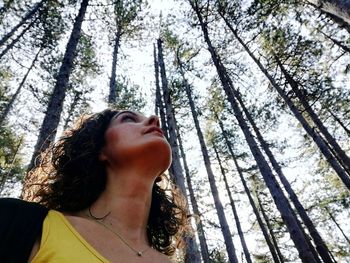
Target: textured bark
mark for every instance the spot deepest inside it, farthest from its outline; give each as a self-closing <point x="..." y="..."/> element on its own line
<point x="320" y="244"/>
<point x="112" y="98"/>
<point x="53" y="112"/>
<point x="339" y="152"/>
<point x="176" y="168"/>
<point x="234" y="210"/>
<point x="271" y="246"/>
<point x="15" y="41"/>
<point x="347" y="130"/>
<point x="338" y="10"/>
<point x="159" y="102"/>
<point x="9" y="105"/>
<point x="176" y="164"/>
<point x="200" y="228"/>
<point x="312" y="133"/>
<point x="336" y="223"/>
<point x="269" y="227"/>
<point x="27" y="17"/>
<point x="217" y="202"/>
<point x="279" y="198"/>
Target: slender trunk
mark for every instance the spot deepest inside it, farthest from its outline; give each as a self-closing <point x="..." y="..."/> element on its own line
<point x="320" y="244"/>
<point x="176" y="164"/>
<point x="159" y="102"/>
<point x="337" y="10"/>
<point x="280" y="199"/>
<point x="272" y="248"/>
<point x="53" y="112"/>
<point x="272" y="234"/>
<point x="176" y="168"/>
<point x="112" y="98"/>
<point x="15" y="41"/>
<point x="339" y="122"/>
<point x="336" y="42"/>
<point x="234" y="210"/>
<point x="340" y="154"/>
<point x="312" y="133"/>
<point x="27" y="17"/>
<point x="200" y="228"/>
<point x="9" y="105"/>
<point x="217" y="202"/>
<point x="336" y="223"/>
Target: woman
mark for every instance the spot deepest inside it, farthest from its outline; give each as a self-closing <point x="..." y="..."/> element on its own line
<point x="108" y="198"/>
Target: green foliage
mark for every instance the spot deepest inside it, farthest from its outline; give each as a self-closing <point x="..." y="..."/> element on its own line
<point x="11" y="167"/>
<point x="129" y="96"/>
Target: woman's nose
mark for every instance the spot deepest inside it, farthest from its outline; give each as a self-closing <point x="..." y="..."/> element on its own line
<point x="153" y="120"/>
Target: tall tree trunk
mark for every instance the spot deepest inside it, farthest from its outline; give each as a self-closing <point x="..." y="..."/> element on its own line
<point x="320" y="244"/>
<point x="200" y="228"/>
<point x="336" y="223"/>
<point x="176" y="168"/>
<point x="337" y="10"/>
<point x="53" y="112"/>
<point x="312" y="133"/>
<point x="347" y="130"/>
<point x="217" y="202"/>
<point x="336" y="42"/>
<point x="340" y="154"/>
<point x="112" y="98"/>
<point x="234" y="210"/>
<point x="281" y="201"/>
<point x="269" y="227"/>
<point x="272" y="247"/>
<point x="159" y="102"/>
<point x="9" y="105"/>
<point x="15" y="41"/>
<point x="27" y="17"/>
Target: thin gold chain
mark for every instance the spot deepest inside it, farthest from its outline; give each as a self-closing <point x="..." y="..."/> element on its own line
<point x="138" y="253"/>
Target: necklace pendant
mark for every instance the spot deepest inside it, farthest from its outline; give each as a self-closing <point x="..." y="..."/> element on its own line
<point x="139" y="254"/>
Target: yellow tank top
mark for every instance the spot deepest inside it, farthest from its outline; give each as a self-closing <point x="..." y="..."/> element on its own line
<point x="61" y="243"/>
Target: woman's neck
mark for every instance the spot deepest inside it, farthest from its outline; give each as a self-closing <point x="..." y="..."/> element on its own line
<point x="127" y="198"/>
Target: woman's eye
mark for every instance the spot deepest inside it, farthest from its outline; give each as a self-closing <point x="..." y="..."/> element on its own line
<point x="128" y="118"/>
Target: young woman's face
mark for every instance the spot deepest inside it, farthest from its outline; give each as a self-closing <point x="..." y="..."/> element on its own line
<point x="132" y="136"/>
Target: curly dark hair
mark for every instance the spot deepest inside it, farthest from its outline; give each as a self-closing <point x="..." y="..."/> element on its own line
<point x="70" y="177"/>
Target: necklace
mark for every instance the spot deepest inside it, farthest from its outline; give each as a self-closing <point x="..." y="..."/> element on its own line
<point x="98" y="220"/>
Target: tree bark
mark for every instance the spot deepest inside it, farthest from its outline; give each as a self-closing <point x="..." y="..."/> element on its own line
<point x="53" y="112"/>
<point x="112" y="98"/>
<point x="339" y="152"/>
<point x="234" y="210"/>
<point x="200" y="228"/>
<point x="176" y="168"/>
<point x="312" y="133"/>
<point x="217" y="202"/>
<point x="15" y="41"/>
<point x="159" y="102"/>
<point x="281" y="201"/>
<point x="271" y="246"/>
<point x="269" y="227"/>
<point x="340" y="122"/>
<point x="337" y="10"/>
<point x="320" y="244"/>
<point x="336" y="223"/>
<point x="27" y="17"/>
<point x="9" y="105"/>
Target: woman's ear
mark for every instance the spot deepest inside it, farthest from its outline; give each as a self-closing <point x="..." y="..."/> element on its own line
<point x="102" y="156"/>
